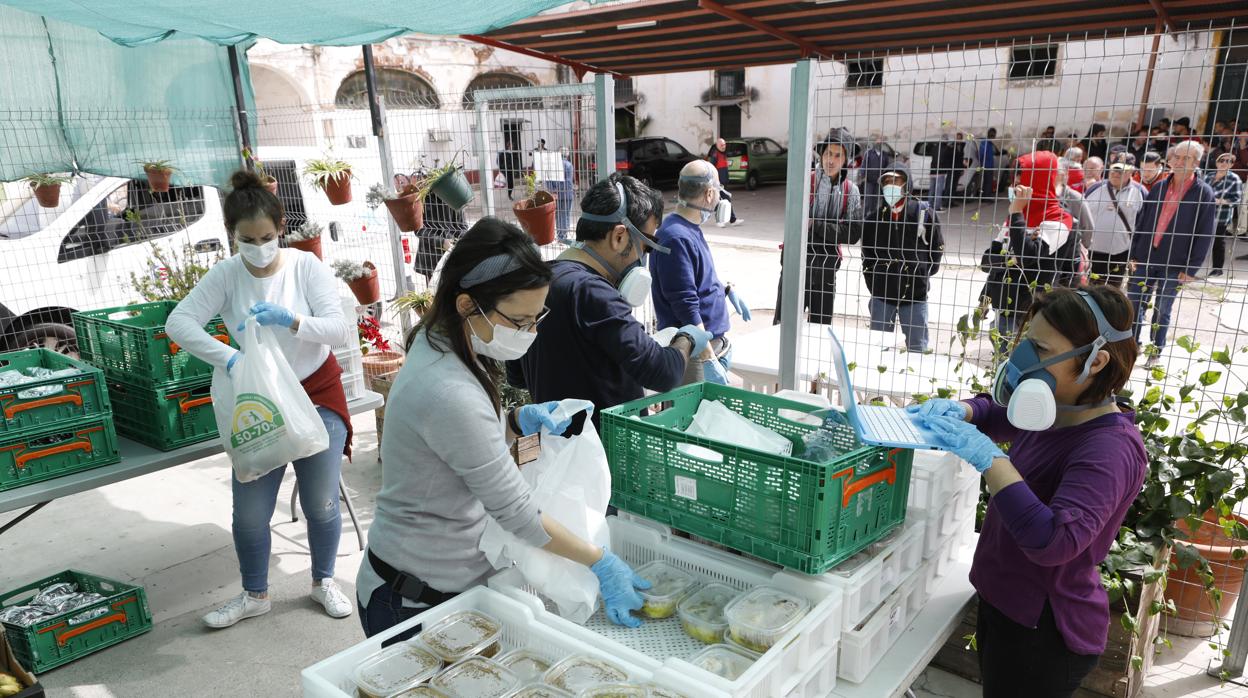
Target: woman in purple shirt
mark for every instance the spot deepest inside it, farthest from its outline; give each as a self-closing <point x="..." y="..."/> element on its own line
<point x="1076" y="463"/>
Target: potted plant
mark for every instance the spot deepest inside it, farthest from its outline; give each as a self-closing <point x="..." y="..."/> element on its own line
<point x="361" y="279"/>
<point x="406" y="206"/>
<point x="331" y="175"/>
<point x="536" y="211"/>
<point x="159" y="173"/>
<point x="381" y="363"/>
<point x="417" y="302"/>
<point x="450" y="185"/>
<point x="268" y="180"/>
<point x="47" y="188"/>
<point x="306" y="237"/>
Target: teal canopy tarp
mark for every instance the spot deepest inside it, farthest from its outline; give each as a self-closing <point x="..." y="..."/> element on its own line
<point x="70" y="99"/>
<point x="326" y="22"/>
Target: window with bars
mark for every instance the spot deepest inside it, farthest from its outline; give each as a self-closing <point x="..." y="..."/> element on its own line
<point x="399" y="88"/>
<point x="864" y="74"/>
<point x="1033" y="62"/>
<point x="730" y="83"/>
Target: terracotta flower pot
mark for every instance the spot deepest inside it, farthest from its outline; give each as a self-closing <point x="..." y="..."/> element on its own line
<point x="338" y="190"/>
<point x="380" y="364"/>
<point x="367" y="289"/>
<point x="48" y="195"/>
<point x="158" y="179"/>
<point x="408" y="212"/>
<point x="1185" y="587"/>
<point x="271" y="185"/>
<point x="537" y="217"/>
<point x="313" y="246"/>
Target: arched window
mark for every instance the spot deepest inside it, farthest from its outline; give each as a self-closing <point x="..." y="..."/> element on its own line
<point x="399" y="88"/>
<point x="495" y="81"/>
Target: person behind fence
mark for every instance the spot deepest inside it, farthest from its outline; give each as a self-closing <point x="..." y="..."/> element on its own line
<point x="1152" y="170"/>
<point x="1240" y="149"/>
<point x="591" y="346"/>
<point x="565" y="192"/>
<point x="1034" y="248"/>
<point x="296" y="295"/>
<point x="718" y="156"/>
<point x="448" y="465"/>
<point x="874" y="162"/>
<point x="686" y="287"/>
<point x="901" y="250"/>
<point x="986" y="154"/>
<point x="1114" y="204"/>
<point x="1074" y="204"/>
<point x="1076" y="464"/>
<point x="835" y="220"/>
<point x="1173" y="233"/>
<point x="1228" y="191"/>
<point x="1093" y="172"/>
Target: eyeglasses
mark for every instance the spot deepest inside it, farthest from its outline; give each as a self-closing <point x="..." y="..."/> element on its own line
<point x="524" y="326"/>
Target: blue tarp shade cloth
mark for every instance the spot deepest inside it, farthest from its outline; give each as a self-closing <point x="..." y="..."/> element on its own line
<point x="71" y="100"/>
<point x="325" y="22"/>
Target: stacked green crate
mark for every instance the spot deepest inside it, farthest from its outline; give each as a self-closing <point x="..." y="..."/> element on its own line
<point x="161" y="394"/>
<point x="52" y="425"/>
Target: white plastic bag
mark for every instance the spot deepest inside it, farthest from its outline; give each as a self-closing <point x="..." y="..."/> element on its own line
<point x="267" y="419"/>
<point x="714" y="420"/>
<point x="571" y="483"/>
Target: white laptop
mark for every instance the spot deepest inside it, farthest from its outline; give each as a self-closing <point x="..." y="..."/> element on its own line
<point x="878" y="425"/>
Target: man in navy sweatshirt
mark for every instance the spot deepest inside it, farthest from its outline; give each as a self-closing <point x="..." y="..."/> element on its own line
<point x="590" y="346"/>
<point x="686" y="288"/>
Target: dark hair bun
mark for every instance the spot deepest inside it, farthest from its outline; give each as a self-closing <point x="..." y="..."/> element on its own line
<point x="245" y="179"/>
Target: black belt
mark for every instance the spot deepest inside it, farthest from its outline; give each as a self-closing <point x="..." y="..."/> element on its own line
<point x="408" y="586"/>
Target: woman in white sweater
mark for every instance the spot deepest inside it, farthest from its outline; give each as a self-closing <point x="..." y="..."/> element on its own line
<point x="296" y="295"/>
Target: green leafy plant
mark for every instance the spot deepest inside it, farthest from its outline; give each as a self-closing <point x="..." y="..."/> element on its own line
<point x="47" y="180"/>
<point x="156" y="165"/>
<point x="348" y="270"/>
<point x="418" y="302"/>
<point x="173" y="273"/>
<point x="321" y="171"/>
<point x="257" y="165"/>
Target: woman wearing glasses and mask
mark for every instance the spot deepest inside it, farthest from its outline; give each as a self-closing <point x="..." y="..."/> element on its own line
<point x="448" y="466"/>
<point x="1075" y="465"/>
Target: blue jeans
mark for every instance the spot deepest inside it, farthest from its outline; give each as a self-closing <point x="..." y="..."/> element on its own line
<point x="913" y="317"/>
<point x="317" y="477"/>
<point x="1147" y="282"/>
<point x="563" y="211"/>
<point x="937" y="190"/>
<point x="384" y="610"/>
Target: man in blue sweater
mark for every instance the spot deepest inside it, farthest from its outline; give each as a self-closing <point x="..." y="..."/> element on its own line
<point x="1173" y="233"/>
<point x="590" y="346"/>
<point x="687" y="290"/>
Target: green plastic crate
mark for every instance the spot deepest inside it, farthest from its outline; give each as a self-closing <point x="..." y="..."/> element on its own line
<point x="67" y="448"/>
<point x="803" y="515"/>
<point x="131" y="345"/>
<point x="166" y="417"/>
<point x="81" y="396"/>
<point x="122" y="614"/>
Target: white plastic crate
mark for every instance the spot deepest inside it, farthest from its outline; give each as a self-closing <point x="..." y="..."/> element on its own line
<point x="331" y="678"/>
<point x="820" y="680"/>
<point x="932" y="479"/>
<point x="662" y="647"/>
<point x="352" y="362"/>
<point x="951" y="547"/>
<point x="863" y="646"/>
<point x="875" y="578"/>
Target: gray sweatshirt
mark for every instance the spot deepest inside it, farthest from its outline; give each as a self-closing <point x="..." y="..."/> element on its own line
<point x="446" y="468"/>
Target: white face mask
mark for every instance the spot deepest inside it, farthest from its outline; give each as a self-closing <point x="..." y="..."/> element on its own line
<point x="508" y="343"/>
<point x="892" y="194"/>
<point x="635" y="286"/>
<point x="259" y="256"/>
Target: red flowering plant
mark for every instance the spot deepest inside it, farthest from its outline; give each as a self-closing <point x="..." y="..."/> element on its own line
<point x="370" y="335"/>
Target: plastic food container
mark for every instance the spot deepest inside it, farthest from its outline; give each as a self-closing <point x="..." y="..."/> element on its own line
<point x="758" y="619"/>
<point x="541" y="690"/>
<point x="850" y="566"/>
<point x="702" y="613"/>
<point x="477" y="677"/>
<point x="394" y="670"/>
<point x="528" y="666"/>
<point x="668" y="585"/>
<point x="579" y="672"/>
<point x="661" y="692"/>
<point x="723" y="660"/>
<point x="463" y="634"/>
<point x="616" y="690"/>
<point x="422" y="692"/>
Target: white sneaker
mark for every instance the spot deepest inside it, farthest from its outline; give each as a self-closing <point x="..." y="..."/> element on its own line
<point x="739" y="221"/>
<point x="336" y="603"/>
<point x="242" y="606"/>
<point x="718" y="224"/>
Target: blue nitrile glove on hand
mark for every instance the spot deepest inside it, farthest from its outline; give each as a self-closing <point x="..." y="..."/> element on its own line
<point x="742" y="309"/>
<point x="700" y="338"/>
<point x="939" y="407"/>
<point x="270" y="314"/>
<point x="964" y="440"/>
<point x="532" y="418"/>
<point x="619" y="584"/>
<point x="229" y="365"/>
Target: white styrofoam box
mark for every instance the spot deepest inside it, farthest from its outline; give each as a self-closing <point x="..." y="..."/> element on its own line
<point x="662" y="647"/>
<point x="878" y="572"/>
<point x="820" y="680"/>
<point x="865" y="645"/>
<point x="331" y="678"/>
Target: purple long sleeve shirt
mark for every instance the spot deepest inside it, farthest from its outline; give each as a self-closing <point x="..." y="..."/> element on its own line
<point x="1043" y="538"/>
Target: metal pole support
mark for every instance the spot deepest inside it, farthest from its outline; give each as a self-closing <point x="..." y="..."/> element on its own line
<point x="1236" y="645"/>
<point x="483" y="158"/>
<point x="240" y="102"/>
<point x="604" y="109"/>
<point x="377" y="110"/>
<point x="796" y="217"/>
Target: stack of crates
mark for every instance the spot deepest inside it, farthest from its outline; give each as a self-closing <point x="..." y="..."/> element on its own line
<point x="161" y="394"/>
<point x="52" y="426"/>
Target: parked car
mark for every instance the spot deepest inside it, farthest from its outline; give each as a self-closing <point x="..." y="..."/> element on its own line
<point x="756" y="161"/>
<point x="656" y="161"/>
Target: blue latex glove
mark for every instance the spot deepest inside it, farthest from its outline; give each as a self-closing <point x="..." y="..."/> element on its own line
<point x="742" y="309"/>
<point x="270" y="314"/>
<point x="939" y="407"/>
<point x="532" y="418"/>
<point x="964" y="440"/>
<point x="619" y="584"/>
<point x="233" y="360"/>
<point x="713" y="372"/>
<point x="700" y="338"/>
